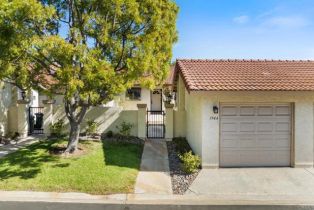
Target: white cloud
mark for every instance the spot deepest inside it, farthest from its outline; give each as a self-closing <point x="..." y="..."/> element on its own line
<point x="286" y="22"/>
<point x="241" y="19"/>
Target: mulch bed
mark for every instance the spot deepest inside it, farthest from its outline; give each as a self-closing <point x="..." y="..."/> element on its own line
<point x="124" y="139"/>
<point x="180" y="180"/>
<point x="59" y="151"/>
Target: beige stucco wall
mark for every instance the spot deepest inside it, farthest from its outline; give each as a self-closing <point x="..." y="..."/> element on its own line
<point x="132" y="104"/>
<point x="179" y="127"/>
<point x="203" y="134"/>
<point x="194" y="122"/>
<point x="145" y="99"/>
<point x="5" y="103"/>
<point x="107" y="117"/>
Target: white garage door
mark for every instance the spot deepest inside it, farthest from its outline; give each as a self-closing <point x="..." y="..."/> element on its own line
<point x="255" y="135"/>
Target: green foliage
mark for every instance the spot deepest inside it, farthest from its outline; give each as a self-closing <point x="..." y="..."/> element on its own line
<point x="109" y="134"/>
<point x="21" y="22"/>
<point x="108" y="47"/>
<point x="125" y="129"/>
<point x="57" y="128"/>
<point x="92" y="127"/>
<point x="13" y="136"/>
<point x="190" y="162"/>
<point x="181" y="144"/>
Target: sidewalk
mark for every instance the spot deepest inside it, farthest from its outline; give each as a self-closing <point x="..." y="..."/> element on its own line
<point x="23" y="200"/>
<point x="154" y="176"/>
<point x="7" y="149"/>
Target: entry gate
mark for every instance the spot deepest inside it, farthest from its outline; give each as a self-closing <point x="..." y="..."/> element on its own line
<point x="36" y="120"/>
<point x="155" y="124"/>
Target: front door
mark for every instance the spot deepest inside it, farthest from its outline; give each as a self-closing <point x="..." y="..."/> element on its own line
<point x="156" y="100"/>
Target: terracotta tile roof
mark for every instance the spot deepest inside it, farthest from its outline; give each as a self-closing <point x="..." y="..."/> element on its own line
<point x="211" y="75"/>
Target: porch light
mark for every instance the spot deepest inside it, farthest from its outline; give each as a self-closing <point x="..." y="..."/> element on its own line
<point x="215" y="109"/>
<point x="23" y="94"/>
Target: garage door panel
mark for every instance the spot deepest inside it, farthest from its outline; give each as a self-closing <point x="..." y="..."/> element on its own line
<point x="283" y="126"/>
<point x="247" y="110"/>
<point x="229" y="111"/>
<point x="265" y="110"/>
<point x="247" y="127"/>
<point x="283" y="111"/>
<point x="265" y="127"/>
<point x="252" y="158"/>
<point x="255" y="135"/>
<point x="229" y="127"/>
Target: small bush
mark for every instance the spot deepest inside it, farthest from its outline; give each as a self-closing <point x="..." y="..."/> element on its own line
<point x="57" y="128"/>
<point x="125" y="129"/>
<point x="190" y="162"/>
<point x="15" y="136"/>
<point x="92" y="127"/>
<point x="109" y="134"/>
<point x="182" y="145"/>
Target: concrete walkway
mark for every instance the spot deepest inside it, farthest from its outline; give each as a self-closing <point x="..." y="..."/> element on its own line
<point x="7" y="149"/>
<point x="154" y="176"/>
<point x="297" y="183"/>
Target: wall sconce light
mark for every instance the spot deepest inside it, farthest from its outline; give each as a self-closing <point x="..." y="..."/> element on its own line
<point x="215" y="109"/>
<point x="23" y="94"/>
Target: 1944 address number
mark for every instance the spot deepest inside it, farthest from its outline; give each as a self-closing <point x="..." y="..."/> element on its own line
<point x="213" y="117"/>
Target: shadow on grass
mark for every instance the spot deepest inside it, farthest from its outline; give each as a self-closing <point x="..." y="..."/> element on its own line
<point x="25" y="163"/>
<point x="122" y="154"/>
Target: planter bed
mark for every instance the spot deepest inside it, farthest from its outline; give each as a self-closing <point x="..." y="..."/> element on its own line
<point x="180" y="180"/>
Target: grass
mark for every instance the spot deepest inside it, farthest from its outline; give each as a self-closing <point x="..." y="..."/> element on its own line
<point x="103" y="168"/>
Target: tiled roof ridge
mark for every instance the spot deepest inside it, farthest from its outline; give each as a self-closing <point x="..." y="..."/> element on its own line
<point x="244" y="74"/>
<point x="244" y="60"/>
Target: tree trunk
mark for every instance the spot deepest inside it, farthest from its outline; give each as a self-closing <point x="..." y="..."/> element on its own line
<point x="73" y="137"/>
<point x="75" y="118"/>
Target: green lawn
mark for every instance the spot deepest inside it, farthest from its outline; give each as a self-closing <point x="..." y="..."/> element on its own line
<point x="103" y="168"/>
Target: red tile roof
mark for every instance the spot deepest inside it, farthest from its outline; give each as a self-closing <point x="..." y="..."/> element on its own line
<point x="278" y="75"/>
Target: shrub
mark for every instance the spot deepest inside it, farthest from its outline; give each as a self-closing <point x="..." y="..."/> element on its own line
<point x="92" y="127"/>
<point x="15" y="136"/>
<point x="181" y="144"/>
<point x="125" y="128"/>
<point x="190" y="162"/>
<point x="109" y="134"/>
<point x="56" y="129"/>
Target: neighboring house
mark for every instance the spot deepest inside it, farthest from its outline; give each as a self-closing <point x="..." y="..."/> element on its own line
<point x="9" y="96"/>
<point x="243" y="113"/>
<point x="30" y="116"/>
<point x="124" y="108"/>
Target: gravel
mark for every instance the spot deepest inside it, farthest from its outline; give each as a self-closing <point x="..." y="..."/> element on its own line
<point x="180" y="180"/>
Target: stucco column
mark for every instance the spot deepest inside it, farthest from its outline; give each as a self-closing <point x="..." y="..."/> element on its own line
<point x="169" y="121"/>
<point x="303" y="140"/>
<point x="48" y="115"/>
<point x="22" y="124"/>
<point x="210" y="134"/>
<point x="141" y="120"/>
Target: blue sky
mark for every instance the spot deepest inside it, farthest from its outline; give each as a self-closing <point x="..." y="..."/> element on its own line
<point x="266" y="29"/>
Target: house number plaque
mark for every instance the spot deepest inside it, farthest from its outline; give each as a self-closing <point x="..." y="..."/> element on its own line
<point x="213" y="117"/>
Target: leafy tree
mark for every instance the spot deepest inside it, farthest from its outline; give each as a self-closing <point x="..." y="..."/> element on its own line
<point x="87" y="50"/>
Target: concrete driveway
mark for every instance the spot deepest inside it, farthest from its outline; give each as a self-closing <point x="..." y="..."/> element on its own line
<point x="259" y="182"/>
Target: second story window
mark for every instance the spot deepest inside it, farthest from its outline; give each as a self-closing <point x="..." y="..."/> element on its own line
<point x="134" y="93"/>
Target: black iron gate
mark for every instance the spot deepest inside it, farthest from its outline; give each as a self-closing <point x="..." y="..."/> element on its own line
<point x="36" y="120"/>
<point x="155" y="124"/>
